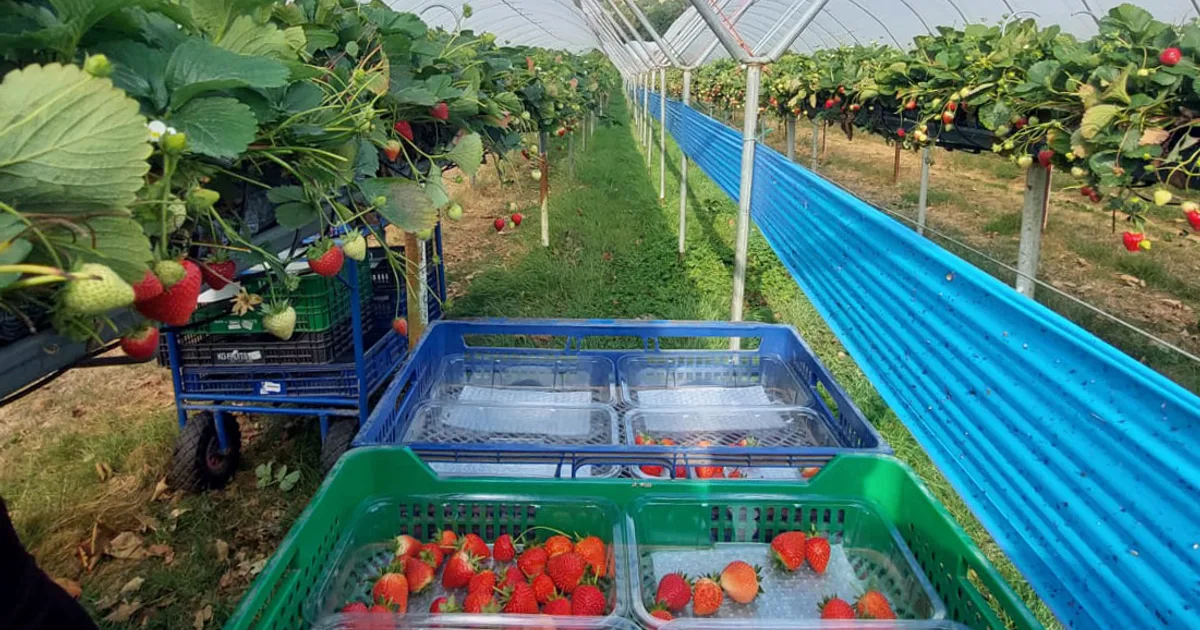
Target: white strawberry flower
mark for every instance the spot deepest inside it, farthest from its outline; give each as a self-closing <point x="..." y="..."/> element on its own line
<point x="171" y="131"/>
<point x="157" y="129"/>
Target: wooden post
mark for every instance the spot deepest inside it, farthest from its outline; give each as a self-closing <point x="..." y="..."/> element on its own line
<point x="1046" y="201"/>
<point x="1037" y="191"/>
<point x="412" y="282"/>
<point x="824" y="138"/>
<point x="544" y="165"/>
<point x="896" y="166"/>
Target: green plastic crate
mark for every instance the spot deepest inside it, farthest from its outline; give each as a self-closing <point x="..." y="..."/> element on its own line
<point x="950" y="561"/>
<point x="321" y="303"/>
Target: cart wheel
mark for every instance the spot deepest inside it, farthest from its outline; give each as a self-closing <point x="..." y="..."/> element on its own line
<point x="337" y="441"/>
<point x="198" y="463"/>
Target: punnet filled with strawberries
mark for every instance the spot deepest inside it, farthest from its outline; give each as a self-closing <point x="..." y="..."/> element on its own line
<point x="455" y="556"/>
<point x="772" y="558"/>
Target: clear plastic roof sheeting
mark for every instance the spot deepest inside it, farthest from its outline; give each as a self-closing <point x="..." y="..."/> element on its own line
<point x="546" y="23"/>
<point x="580" y="25"/>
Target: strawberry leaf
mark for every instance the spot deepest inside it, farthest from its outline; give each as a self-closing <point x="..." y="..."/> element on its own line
<point x="467" y="153"/>
<point x="197" y="66"/>
<point x="219" y="127"/>
<point x="407" y="206"/>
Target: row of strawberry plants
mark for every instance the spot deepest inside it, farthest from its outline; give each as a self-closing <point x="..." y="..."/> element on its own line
<point x="1119" y="110"/>
<point x="143" y="144"/>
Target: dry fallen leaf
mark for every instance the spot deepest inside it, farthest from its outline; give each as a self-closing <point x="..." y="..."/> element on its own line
<point x="127" y="545"/>
<point x="70" y="586"/>
<point x="202" y="617"/>
<point x="108" y="601"/>
<point x="123" y="612"/>
<point x="1176" y="304"/>
<point x="149" y="523"/>
<point x="132" y="585"/>
<point x="222" y="550"/>
<point x="1132" y="281"/>
<point x="160" y="489"/>
<point x="103" y="471"/>
<point x="163" y="551"/>
<point x="177" y="512"/>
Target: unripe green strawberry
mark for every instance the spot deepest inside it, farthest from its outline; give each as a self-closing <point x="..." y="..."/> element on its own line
<point x="169" y="272"/>
<point x="454" y="213"/>
<point x="280" y="320"/>
<point x="98" y="66"/>
<point x="1162" y="197"/>
<point x="96" y="290"/>
<point x="354" y="246"/>
<point x="202" y="198"/>
<point x="425" y="234"/>
<point x="174" y="143"/>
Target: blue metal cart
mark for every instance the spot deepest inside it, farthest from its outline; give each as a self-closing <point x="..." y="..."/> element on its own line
<point x="337" y="393"/>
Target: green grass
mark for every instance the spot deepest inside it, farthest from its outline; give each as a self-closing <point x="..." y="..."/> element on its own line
<point x="613" y="254"/>
<point x="1006" y="224"/>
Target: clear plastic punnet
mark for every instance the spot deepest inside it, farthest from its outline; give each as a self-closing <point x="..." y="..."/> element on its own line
<point x="710" y="379"/>
<point x="526" y="380"/>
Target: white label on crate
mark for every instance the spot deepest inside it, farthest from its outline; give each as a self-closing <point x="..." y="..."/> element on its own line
<point x="238" y="356"/>
<point x="266" y="388"/>
<point x="422" y="285"/>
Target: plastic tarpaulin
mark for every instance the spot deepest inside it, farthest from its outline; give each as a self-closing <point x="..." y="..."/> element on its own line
<point x="1080" y="461"/>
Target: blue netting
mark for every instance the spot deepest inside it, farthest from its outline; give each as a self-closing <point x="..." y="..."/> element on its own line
<point x="1080" y="461"/>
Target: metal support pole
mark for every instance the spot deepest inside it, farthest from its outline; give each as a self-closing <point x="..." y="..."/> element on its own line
<point x="571" y="155"/>
<point x="583" y="136"/>
<point x="1037" y="190"/>
<point x="662" y="134"/>
<point x="791" y="138"/>
<point x="816" y="144"/>
<point x="545" y="186"/>
<point x="649" y="127"/>
<point x="923" y="197"/>
<point x="741" y="244"/>
<point x="683" y="168"/>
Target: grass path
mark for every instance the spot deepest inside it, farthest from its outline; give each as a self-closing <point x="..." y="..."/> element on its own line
<point x="613" y="254"/>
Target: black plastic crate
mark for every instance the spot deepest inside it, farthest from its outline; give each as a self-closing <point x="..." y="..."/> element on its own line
<point x="203" y="350"/>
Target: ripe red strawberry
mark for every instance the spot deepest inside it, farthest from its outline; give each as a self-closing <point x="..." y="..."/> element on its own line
<point x="588" y="601"/>
<point x="558" y="545"/>
<point x="543" y="588"/>
<point x="708" y="472"/>
<point x="707" y="597"/>
<point x="532" y="562"/>
<point x="674" y="592"/>
<point x="431" y="554"/>
<point x="175" y="305"/>
<point x="560" y="132"/>
<point x="653" y="471"/>
<point x="659" y="612"/>
<point x="900" y="132"/>
<point x="517" y="218"/>
<point x="741" y="582"/>
<point x="418" y="574"/>
<point x="441" y="111"/>
<point x="911" y="105"/>
<point x="475" y="545"/>
<point x="460" y="568"/>
<point x="512" y="575"/>
<point x="149" y="286"/>
<point x="499" y="223"/>
<point x="482" y="581"/>
<point x="1193" y="217"/>
<point x="829" y="103"/>
<point x="407" y="546"/>
<point x="379" y="609"/>
<point x="403" y="128"/>
<point x="355" y="607"/>
<point x="521" y="601"/>
<point x="558" y="607"/>
<point x="448" y="541"/>
<point x="400" y="325"/>
<point x="835" y="608"/>
<point x="443" y="605"/>
<point x="788" y="549"/>
<point x="1021" y="122"/>
<point x="480" y="602"/>
<point x="1086" y="191"/>
<point x="816" y="553"/>
<point x="141" y="344"/>
<point x="391" y="150"/>
<point x="809" y="472"/>
<point x="1132" y="240"/>
<point x="873" y="605"/>
<point x="218" y="273"/>
<point x="1170" y="56"/>
<point x="325" y="259"/>
<point x="947" y="118"/>
<point x="392" y="589"/>
<point x="593" y="551"/>
<point x="952" y="106"/>
<point x="1044" y="157"/>
<point x="503" y="549"/>
<point x="642" y="439"/>
<point x="566" y="569"/>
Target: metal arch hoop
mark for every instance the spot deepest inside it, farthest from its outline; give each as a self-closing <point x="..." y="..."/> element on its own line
<point x="919" y="17"/>
<point x="843" y="25"/>
<point x="879" y="21"/>
<point x="959" y="11"/>
<point x="458" y="18"/>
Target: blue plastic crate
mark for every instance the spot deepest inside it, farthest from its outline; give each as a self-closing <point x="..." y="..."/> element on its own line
<point x="337" y="380"/>
<point x="389" y="420"/>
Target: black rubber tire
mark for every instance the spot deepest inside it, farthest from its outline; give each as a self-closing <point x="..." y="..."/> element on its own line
<point x="197" y="463"/>
<point x="337" y="441"/>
